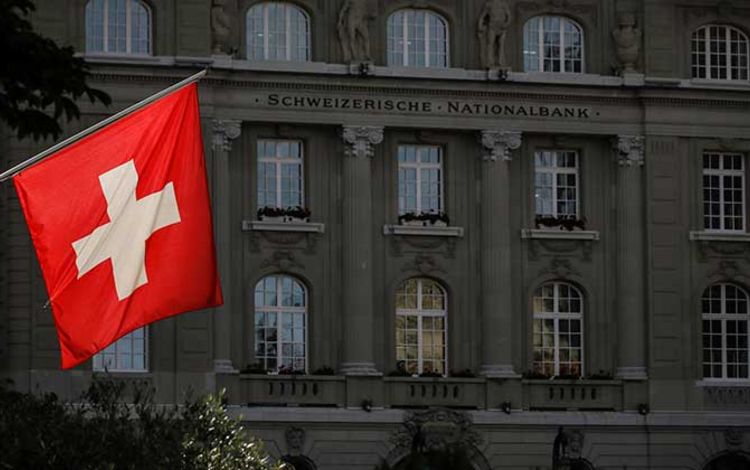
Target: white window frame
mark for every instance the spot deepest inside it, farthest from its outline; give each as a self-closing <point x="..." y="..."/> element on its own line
<point x="540" y="57"/>
<point x="420" y="313"/>
<point x="288" y="9"/>
<point x="98" y="359"/>
<point x="418" y="167"/>
<point x="556" y="315"/>
<point x="278" y="310"/>
<point x="554" y="171"/>
<point x="128" y="29"/>
<point x="279" y="163"/>
<point x="724" y="317"/>
<point x="721" y="173"/>
<point x="703" y="34"/>
<point x="427" y="31"/>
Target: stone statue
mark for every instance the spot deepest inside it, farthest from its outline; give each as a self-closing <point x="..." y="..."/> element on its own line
<point x="492" y="29"/>
<point x="219" y="27"/>
<point x="353" y="30"/>
<point x="627" y="41"/>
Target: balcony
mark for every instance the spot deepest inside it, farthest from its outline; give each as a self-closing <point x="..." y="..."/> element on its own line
<point x="285" y="390"/>
<point x="582" y="395"/>
<point x="422" y="392"/>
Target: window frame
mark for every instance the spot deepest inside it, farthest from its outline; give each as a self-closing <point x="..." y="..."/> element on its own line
<point x="128" y="29"/>
<point x="288" y="8"/>
<point x="279" y="163"/>
<point x="419" y="312"/>
<point x="99" y="357"/>
<point x="556" y="316"/>
<point x="418" y="167"/>
<point x="721" y="173"/>
<point x="557" y="170"/>
<point x="404" y="53"/>
<point x="723" y="317"/>
<point x="278" y="310"/>
<point x="540" y="49"/>
<point x="702" y="34"/>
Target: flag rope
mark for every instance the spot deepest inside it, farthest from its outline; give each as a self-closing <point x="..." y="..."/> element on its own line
<point x="10" y="173"/>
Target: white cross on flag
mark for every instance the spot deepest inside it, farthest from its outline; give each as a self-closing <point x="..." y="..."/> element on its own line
<point x="121" y="224"/>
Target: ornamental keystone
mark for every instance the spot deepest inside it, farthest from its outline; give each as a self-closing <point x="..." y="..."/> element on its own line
<point x="360" y="140"/>
<point x="498" y="144"/>
<point x="628" y="150"/>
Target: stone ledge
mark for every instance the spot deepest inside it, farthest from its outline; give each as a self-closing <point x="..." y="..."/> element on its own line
<point x="740" y="383"/>
<point x="704" y="236"/>
<point x="540" y="234"/>
<point x="267" y="226"/>
<point x="431" y="231"/>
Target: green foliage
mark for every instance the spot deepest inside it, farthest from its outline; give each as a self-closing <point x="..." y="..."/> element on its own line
<point x="38" y="76"/>
<point x="103" y="432"/>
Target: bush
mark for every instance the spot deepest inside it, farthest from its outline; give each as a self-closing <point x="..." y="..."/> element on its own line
<point x="103" y="432"/>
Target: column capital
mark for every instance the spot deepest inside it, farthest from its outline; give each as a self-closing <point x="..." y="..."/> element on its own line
<point x="498" y="144"/>
<point x="360" y="139"/>
<point x="225" y="130"/>
<point x="628" y="150"/>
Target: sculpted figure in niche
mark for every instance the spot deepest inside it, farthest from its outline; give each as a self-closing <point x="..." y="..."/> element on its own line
<point x="493" y="28"/>
<point x="219" y="27"/>
<point x="354" y="32"/>
<point x="627" y="41"/>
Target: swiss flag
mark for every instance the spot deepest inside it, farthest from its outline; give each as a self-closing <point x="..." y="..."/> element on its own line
<point x="121" y="224"/>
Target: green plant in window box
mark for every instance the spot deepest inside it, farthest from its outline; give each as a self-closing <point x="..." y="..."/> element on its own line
<point x="463" y="374"/>
<point x="256" y="368"/>
<point x="324" y="370"/>
<point x="535" y="375"/>
<point x="430" y="373"/>
<point x="281" y="214"/>
<point x="289" y="370"/>
<point x="567" y="377"/>
<point x="600" y="375"/>
<point x="424" y="218"/>
<point x="564" y="222"/>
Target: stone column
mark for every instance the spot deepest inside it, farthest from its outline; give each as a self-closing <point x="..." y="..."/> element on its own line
<point x="631" y="305"/>
<point x="495" y="255"/>
<point x="357" y="249"/>
<point x="224" y="131"/>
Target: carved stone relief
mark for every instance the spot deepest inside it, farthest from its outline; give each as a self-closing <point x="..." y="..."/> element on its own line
<point x="354" y="30"/>
<point x="714" y="249"/>
<point x="295" y="440"/>
<point x="560" y="268"/>
<point x="627" y="42"/>
<point x="282" y="260"/>
<point x="445" y="246"/>
<point x="537" y="247"/>
<point x="628" y="150"/>
<point x="424" y="264"/>
<point x="220" y="27"/>
<point x="728" y="269"/>
<point x="734" y="438"/>
<point x="492" y="29"/>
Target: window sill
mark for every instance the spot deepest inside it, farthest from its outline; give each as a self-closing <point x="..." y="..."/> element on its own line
<point x="115" y="373"/>
<point x="554" y="234"/>
<point x="741" y="383"/>
<point x="704" y="236"/>
<point x="431" y="231"/>
<point x="269" y="226"/>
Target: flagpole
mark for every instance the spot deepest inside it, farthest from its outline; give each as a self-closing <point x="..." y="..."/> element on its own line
<point x="10" y="173"/>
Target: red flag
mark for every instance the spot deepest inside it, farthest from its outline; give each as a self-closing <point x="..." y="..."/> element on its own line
<point x="121" y="224"/>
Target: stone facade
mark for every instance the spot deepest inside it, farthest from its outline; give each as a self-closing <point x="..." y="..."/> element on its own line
<point x="640" y="125"/>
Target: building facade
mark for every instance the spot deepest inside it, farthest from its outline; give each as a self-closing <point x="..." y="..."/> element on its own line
<point x="521" y="214"/>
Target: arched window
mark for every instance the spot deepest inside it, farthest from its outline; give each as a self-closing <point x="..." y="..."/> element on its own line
<point x="118" y="27"/>
<point x="552" y="44"/>
<point x="417" y="38"/>
<point x="281" y="323"/>
<point x="278" y="31"/>
<point x="558" y="330"/>
<point x="421" y="306"/>
<point x="720" y="52"/>
<point x="725" y="339"/>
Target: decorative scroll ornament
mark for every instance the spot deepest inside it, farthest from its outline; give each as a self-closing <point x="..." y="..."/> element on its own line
<point x="627" y="42"/>
<point x="225" y="130"/>
<point x="360" y="140"/>
<point x="498" y="144"/>
<point x="628" y="150"/>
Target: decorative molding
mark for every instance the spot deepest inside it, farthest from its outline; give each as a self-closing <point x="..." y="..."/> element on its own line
<point x="498" y="144"/>
<point x="560" y="268"/>
<point x="295" y="440"/>
<point x="283" y="260"/>
<point x="721" y="244"/>
<point x="727" y="395"/>
<point x="423" y="231"/>
<point x="728" y="269"/>
<point x="269" y="226"/>
<point x="734" y="438"/>
<point x="629" y="150"/>
<point x="435" y="429"/>
<point x="361" y="139"/>
<point x="224" y="131"/>
<point x="538" y="234"/>
<point x="445" y="245"/>
<point x="424" y="264"/>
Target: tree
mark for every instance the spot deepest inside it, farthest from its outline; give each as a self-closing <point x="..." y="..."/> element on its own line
<point x="38" y="77"/>
<point x="101" y="431"/>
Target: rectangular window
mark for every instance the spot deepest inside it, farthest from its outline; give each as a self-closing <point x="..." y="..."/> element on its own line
<point x="280" y="173"/>
<point x="127" y="354"/>
<point x="723" y="191"/>
<point x="556" y="183"/>
<point x="420" y="179"/>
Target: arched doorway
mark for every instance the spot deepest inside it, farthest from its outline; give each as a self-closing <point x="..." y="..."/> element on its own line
<point x="729" y="461"/>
